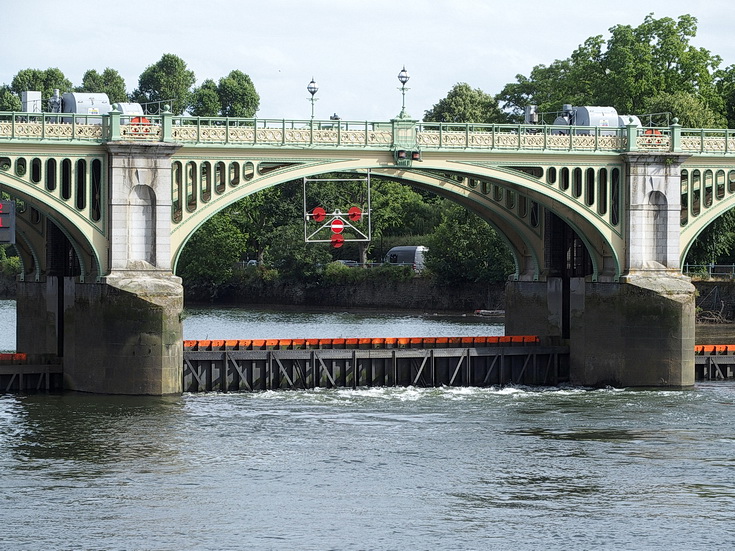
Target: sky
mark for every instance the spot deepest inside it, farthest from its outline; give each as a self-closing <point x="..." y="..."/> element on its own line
<point x="353" y="49"/>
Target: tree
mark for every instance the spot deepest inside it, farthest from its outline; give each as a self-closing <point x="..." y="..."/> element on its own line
<point x="8" y="100"/>
<point x="109" y="82"/>
<point x="465" y="249"/>
<point x="167" y="80"/>
<point x="465" y="104"/>
<point x="234" y="96"/>
<point x="634" y="65"/>
<point x="714" y="242"/>
<point x="690" y="109"/>
<point x="209" y="256"/>
<point x="205" y="100"/>
<point x="45" y="81"/>
<point x="291" y="255"/>
<point x="237" y="95"/>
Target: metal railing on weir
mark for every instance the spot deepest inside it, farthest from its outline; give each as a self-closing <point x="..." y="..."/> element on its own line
<point x="710" y="270"/>
<point x="253" y="132"/>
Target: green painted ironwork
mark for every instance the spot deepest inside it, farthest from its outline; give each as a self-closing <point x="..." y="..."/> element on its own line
<point x="512" y="173"/>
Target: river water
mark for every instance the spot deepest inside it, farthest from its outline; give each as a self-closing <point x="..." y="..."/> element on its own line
<point x="368" y="469"/>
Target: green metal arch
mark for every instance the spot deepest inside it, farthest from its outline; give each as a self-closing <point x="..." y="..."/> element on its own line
<point x="35" y="198"/>
<point x="551" y="199"/>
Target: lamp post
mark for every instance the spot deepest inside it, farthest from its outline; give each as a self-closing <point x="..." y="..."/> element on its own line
<point x="312" y="88"/>
<point x="403" y="77"/>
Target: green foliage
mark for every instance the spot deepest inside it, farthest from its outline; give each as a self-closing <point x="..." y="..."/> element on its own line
<point x="44" y="81"/>
<point x="234" y="96"/>
<point x="465" y="249"/>
<point x="292" y="256"/>
<point x="237" y="95"/>
<point x="209" y="256"/>
<point x="9" y="265"/>
<point x="465" y="104"/>
<point x="634" y="65"/>
<point x="9" y="101"/>
<point x="691" y="110"/>
<point x="714" y="242"/>
<point x="109" y="82"/>
<point x="205" y="100"/>
<point x="166" y="80"/>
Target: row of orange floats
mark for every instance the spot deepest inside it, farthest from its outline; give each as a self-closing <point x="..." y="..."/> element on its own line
<point x="13" y="358"/>
<point x="359" y="343"/>
<point x="714" y="349"/>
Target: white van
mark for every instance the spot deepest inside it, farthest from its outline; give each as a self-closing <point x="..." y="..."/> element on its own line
<point x="407" y="255"/>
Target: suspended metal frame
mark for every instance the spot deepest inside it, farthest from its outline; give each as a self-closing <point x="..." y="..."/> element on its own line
<point x="361" y="234"/>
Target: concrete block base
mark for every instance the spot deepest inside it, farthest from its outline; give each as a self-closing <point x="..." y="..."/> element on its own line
<point x="121" y="336"/>
<point x="637" y="333"/>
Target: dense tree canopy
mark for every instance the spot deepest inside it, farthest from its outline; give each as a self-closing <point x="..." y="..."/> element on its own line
<point x="205" y="100"/>
<point x="237" y="95"/>
<point x="45" y="81"/>
<point x="167" y="80"/>
<point x="634" y="65"/>
<point x="212" y="252"/>
<point x="9" y="101"/>
<point x="464" y="248"/>
<point x="234" y="96"/>
<point x="109" y="82"/>
<point x="466" y="104"/>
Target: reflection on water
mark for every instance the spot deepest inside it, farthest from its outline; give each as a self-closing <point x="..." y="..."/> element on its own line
<point x="290" y="323"/>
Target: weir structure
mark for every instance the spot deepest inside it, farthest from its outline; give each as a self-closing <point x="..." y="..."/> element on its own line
<point x="599" y="221"/>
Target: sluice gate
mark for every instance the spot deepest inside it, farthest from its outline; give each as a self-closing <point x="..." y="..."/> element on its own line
<point x="714" y="362"/>
<point x="20" y="372"/>
<point x="252" y="365"/>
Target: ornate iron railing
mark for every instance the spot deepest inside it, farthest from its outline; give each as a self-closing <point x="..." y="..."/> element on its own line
<point x="217" y="131"/>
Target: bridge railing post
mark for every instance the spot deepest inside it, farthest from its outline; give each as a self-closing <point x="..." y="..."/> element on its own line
<point x="631" y="131"/>
<point x="112" y="123"/>
<point x="676" y="136"/>
<point x="167" y="123"/>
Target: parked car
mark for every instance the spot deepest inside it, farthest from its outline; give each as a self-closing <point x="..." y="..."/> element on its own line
<point x="349" y="263"/>
<point x="407" y="255"/>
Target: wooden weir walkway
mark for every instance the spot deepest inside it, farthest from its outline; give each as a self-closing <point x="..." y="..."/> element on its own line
<point x="269" y="364"/>
<point x="714" y="362"/>
<point x="20" y="372"/>
<point x="265" y="364"/>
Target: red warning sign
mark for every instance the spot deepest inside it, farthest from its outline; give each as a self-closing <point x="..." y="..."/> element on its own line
<point x="337" y="225"/>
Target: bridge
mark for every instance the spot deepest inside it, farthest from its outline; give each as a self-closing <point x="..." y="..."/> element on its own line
<point x="599" y="221"/>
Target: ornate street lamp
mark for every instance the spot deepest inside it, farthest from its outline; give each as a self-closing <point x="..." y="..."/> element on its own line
<point x="312" y="88"/>
<point x="403" y="77"/>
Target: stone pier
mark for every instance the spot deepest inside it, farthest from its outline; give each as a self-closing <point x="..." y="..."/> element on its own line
<point x="637" y="331"/>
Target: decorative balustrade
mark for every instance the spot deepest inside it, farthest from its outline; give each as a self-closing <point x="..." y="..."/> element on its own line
<point x="360" y="134"/>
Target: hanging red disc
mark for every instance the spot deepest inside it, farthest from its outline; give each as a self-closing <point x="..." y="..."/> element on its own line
<point x="318" y="214"/>
<point x="354" y="213"/>
<point x="337" y="240"/>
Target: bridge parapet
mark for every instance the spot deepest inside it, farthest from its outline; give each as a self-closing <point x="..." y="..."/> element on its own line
<point x="238" y="132"/>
